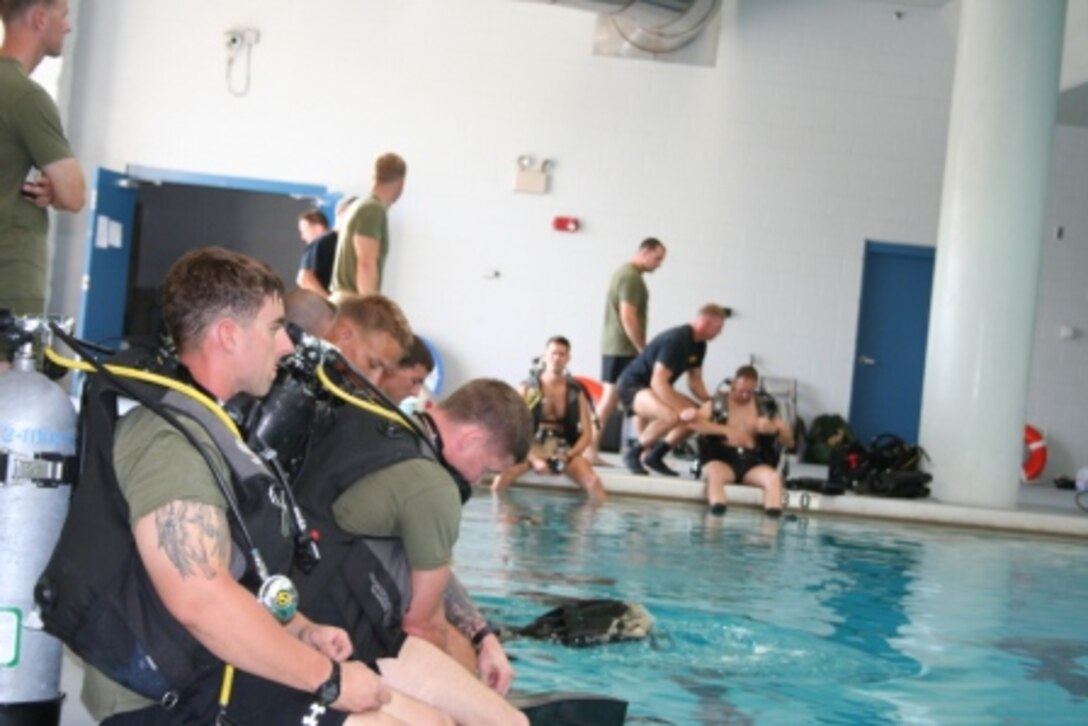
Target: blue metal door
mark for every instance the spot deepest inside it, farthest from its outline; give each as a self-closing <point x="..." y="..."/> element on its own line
<point x="893" y="324"/>
<point x="108" y="262"/>
<point x="109" y="250"/>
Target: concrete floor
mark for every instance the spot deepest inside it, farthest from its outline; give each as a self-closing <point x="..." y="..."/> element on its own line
<point x="1041" y="509"/>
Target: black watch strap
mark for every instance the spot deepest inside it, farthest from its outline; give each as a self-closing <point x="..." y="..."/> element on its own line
<point x="329" y="691"/>
<point x="480" y="634"/>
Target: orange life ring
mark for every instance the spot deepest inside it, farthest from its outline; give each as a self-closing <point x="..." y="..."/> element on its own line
<point x="593" y="388"/>
<point x="1034" y="454"/>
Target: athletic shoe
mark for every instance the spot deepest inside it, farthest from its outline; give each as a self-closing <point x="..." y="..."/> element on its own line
<point x="659" y="467"/>
<point x="631" y="461"/>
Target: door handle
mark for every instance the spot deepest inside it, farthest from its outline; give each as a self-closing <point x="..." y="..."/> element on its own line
<point x="866" y="360"/>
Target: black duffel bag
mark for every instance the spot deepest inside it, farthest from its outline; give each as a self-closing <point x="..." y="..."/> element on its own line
<point x="896" y="484"/>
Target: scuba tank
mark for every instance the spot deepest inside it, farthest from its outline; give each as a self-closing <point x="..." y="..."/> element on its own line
<point x="37" y="469"/>
<point x="99" y="600"/>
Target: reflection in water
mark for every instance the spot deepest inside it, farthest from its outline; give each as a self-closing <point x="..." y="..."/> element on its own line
<point x="806" y="622"/>
<point x="1054" y="661"/>
<point x="867" y="587"/>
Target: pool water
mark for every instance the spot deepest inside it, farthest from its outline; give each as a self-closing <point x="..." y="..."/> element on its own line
<point x="811" y="621"/>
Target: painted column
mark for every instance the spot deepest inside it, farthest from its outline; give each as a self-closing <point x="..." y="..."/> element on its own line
<point x="997" y="169"/>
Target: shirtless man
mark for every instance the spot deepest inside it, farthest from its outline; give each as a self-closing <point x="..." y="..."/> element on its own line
<point x="741" y="455"/>
<point x="564" y="427"/>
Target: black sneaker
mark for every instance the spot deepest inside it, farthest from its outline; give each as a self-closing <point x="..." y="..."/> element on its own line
<point x="659" y="467"/>
<point x="631" y="461"/>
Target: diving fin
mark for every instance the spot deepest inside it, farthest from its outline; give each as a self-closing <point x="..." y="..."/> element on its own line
<point x="570" y="709"/>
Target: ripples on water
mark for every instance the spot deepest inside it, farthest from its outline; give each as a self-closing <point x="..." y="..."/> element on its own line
<point x="807" y="621"/>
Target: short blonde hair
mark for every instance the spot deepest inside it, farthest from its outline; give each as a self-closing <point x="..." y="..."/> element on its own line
<point x="375" y="313"/>
<point x="389" y="168"/>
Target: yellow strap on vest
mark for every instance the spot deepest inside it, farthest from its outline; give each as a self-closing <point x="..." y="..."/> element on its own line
<point x="148" y="377"/>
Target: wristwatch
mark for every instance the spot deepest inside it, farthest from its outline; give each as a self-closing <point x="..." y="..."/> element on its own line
<point x="329" y="691"/>
<point x="479" y="635"/>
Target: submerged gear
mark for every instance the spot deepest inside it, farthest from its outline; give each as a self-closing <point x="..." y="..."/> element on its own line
<point x="99" y="600"/>
<point x="582" y="623"/>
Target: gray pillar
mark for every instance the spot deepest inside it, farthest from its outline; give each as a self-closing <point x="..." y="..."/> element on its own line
<point x="997" y="171"/>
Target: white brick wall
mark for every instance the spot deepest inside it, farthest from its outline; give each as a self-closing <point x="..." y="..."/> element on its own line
<point x="1058" y="394"/>
<point x="822" y="125"/>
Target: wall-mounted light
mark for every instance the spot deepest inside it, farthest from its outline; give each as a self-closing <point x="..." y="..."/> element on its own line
<point x="529" y="180"/>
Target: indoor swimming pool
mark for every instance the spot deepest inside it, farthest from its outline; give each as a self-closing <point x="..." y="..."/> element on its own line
<point x="811" y="621"/>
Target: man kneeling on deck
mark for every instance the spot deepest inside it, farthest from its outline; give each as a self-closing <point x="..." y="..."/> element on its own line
<point x="746" y="453"/>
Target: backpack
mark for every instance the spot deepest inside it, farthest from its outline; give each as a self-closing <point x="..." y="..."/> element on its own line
<point x="893" y="470"/>
<point x="889" y="452"/>
<point x="849" y="464"/>
<point x="896" y="484"/>
<point x="826" y="432"/>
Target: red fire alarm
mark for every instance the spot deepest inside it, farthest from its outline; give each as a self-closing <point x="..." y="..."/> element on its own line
<point x="565" y="224"/>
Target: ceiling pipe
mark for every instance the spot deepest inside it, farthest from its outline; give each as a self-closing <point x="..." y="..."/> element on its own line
<point x="653" y="26"/>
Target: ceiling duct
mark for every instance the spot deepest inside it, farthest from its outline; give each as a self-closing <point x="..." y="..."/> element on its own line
<point x="655" y="27"/>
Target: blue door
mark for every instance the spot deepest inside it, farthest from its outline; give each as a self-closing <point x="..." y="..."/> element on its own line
<point x="109" y="251"/>
<point x="890" y="356"/>
<point x="108" y="263"/>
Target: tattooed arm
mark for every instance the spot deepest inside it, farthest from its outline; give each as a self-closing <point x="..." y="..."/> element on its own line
<point x="491" y="661"/>
<point x="185" y="547"/>
<point x="460" y="610"/>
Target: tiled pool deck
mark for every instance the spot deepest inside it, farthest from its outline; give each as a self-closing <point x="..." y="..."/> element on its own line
<point x="1041" y="508"/>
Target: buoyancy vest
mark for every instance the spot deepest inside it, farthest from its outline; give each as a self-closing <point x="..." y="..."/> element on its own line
<point x="572" y="416"/>
<point x="95" y="594"/>
<point x="767" y="445"/>
<point x="352" y="586"/>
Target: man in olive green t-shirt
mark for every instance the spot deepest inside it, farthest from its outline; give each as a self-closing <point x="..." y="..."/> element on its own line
<point x="624" y="333"/>
<point x="364" y="241"/>
<point x="225" y="313"/>
<point x="37" y="167"/>
<point x="482" y="427"/>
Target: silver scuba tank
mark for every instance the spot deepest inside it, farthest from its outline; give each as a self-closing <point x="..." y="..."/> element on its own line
<point x="37" y="446"/>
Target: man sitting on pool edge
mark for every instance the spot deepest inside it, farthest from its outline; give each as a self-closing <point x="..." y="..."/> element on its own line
<point x="743" y="454"/>
<point x="563" y="426"/>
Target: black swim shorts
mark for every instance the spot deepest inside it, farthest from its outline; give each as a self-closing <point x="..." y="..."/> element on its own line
<point x="253" y="701"/>
<point x="740" y="460"/>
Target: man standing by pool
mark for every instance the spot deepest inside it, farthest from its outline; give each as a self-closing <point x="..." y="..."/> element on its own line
<point x="364" y="242"/>
<point x="624" y="334"/>
<point x="37" y="167"/>
<point x="666" y="416"/>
